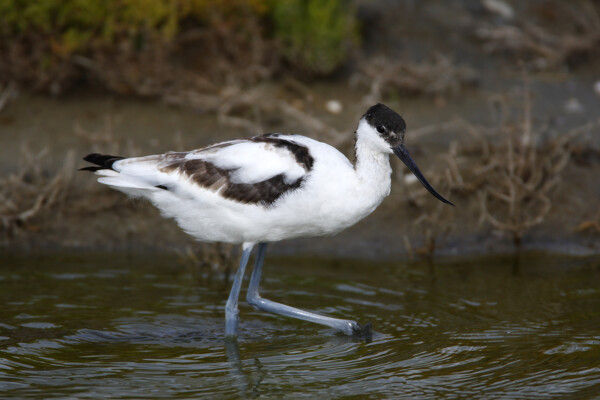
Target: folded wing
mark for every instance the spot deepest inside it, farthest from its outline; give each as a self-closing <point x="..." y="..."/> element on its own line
<point x="257" y="170"/>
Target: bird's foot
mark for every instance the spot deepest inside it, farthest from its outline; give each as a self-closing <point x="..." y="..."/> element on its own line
<point x="363" y="332"/>
<point x="360" y="331"/>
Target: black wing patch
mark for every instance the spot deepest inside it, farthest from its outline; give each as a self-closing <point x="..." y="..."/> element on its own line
<point x="214" y="178"/>
<point x="300" y="152"/>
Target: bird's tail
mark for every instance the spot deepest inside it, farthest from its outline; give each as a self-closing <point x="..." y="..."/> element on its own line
<point x="133" y="184"/>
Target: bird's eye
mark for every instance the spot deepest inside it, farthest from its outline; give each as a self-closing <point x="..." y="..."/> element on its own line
<point x="380" y="128"/>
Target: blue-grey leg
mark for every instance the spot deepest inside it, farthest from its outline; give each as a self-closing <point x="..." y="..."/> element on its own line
<point x="253" y="298"/>
<point x="231" y="307"/>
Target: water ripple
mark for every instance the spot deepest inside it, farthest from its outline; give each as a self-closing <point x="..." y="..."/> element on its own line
<point x="148" y="331"/>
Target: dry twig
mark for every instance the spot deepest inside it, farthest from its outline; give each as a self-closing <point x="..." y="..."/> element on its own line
<point x="439" y="76"/>
<point x="210" y="257"/>
<point x="31" y="191"/>
<point x="543" y="48"/>
<point x="7" y="94"/>
<point x="513" y="179"/>
<point x="104" y="139"/>
<point x="519" y="176"/>
<point x="243" y="109"/>
<point x="434" y="223"/>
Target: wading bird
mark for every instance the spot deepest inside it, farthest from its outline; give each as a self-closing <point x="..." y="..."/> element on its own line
<point x="265" y="189"/>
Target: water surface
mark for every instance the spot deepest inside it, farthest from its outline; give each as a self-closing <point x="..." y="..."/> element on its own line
<point x="118" y="326"/>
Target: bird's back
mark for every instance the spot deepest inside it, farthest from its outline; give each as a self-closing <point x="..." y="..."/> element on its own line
<point x="263" y="188"/>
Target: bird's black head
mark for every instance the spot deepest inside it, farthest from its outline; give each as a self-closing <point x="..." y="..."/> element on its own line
<point x="388" y="123"/>
<point x="391" y="128"/>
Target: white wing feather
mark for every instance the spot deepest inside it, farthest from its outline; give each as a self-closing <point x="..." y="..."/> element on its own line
<point x="249" y="163"/>
<point x="253" y="162"/>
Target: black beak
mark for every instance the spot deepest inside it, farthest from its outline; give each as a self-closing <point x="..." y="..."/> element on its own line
<point x="403" y="155"/>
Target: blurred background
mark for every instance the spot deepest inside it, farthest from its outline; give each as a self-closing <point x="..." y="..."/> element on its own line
<point x="501" y="98"/>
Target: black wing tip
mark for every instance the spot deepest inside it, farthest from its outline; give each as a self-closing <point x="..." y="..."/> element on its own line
<point x="90" y="157"/>
<point x="91" y="169"/>
<point x="103" y="161"/>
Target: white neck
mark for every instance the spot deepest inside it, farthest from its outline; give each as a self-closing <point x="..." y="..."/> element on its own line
<point x="372" y="168"/>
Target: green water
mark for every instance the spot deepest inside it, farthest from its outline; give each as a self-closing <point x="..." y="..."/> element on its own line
<point x="116" y="326"/>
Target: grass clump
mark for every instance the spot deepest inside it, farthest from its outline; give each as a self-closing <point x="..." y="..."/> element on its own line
<point x="315" y="36"/>
<point x="32" y="193"/>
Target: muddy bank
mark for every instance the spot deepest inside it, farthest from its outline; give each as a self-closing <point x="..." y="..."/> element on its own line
<point x="53" y="134"/>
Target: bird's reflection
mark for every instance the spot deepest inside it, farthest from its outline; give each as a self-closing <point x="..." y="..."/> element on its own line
<point x="240" y="380"/>
<point x="248" y="382"/>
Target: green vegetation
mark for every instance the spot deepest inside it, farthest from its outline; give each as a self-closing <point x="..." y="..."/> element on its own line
<point x="76" y="24"/>
<point x="315" y="35"/>
<point x="37" y="37"/>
